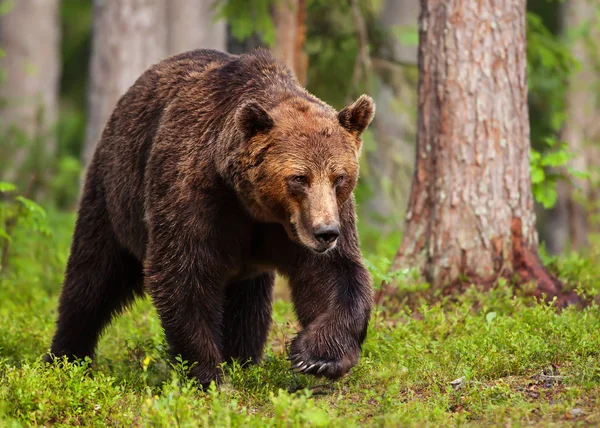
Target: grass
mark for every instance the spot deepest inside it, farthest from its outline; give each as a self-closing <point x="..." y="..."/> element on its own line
<point x="491" y="359"/>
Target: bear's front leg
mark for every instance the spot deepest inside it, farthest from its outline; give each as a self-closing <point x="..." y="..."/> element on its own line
<point x="188" y="292"/>
<point x="332" y="295"/>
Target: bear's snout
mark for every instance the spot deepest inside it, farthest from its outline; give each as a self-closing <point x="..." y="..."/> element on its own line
<point x="326" y="234"/>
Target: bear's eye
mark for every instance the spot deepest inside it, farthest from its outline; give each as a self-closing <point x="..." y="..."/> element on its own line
<point x="339" y="180"/>
<point x="299" y="180"/>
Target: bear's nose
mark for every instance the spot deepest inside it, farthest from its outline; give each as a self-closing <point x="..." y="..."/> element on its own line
<point x="327" y="233"/>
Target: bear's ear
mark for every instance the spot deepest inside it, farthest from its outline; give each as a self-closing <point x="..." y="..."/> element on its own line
<point x="251" y="118"/>
<point x="357" y="116"/>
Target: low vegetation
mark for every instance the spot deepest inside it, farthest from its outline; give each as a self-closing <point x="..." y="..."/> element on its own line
<point x="482" y="358"/>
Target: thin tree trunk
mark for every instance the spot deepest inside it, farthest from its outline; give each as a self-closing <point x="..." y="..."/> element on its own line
<point x="394" y="125"/>
<point x="191" y="25"/>
<point x="568" y="223"/>
<point x="30" y="38"/>
<point x="471" y="211"/>
<point x="237" y="47"/>
<point x="289" y="17"/>
<point x="128" y="37"/>
<point x="555" y="222"/>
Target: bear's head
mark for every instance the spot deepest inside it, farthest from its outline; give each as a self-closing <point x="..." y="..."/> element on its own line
<point x="301" y="165"/>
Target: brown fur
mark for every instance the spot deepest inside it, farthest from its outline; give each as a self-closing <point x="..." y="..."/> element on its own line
<point x="213" y="171"/>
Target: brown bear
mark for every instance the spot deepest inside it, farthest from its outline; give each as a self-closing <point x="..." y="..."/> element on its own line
<point x="214" y="171"/>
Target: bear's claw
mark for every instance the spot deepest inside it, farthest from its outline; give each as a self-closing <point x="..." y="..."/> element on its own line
<point x="300" y="366"/>
<point x="322" y="368"/>
<point x="313" y="353"/>
<point x="317" y="368"/>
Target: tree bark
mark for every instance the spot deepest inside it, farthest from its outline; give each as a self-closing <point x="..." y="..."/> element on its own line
<point x="289" y="17"/>
<point x="128" y="36"/>
<point x="30" y="38"/>
<point x="569" y="224"/>
<point x="191" y="26"/>
<point x="471" y="212"/>
<point x="394" y="126"/>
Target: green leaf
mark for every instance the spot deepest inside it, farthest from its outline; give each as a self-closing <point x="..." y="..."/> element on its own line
<point x="545" y="195"/>
<point x="7" y="187"/>
<point x="535" y="156"/>
<point x="31" y="206"/>
<point x="558" y="158"/>
<point x="582" y="175"/>
<point x="537" y="175"/>
<point x="549" y="141"/>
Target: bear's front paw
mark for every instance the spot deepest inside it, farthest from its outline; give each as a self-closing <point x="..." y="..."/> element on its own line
<point x="311" y="352"/>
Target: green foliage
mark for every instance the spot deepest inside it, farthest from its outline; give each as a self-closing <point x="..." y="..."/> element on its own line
<point x="248" y="18"/>
<point x="331" y="46"/>
<point x="17" y="212"/>
<point x="405" y="280"/>
<point x="64" y="185"/>
<point x="44" y="173"/>
<point x="379" y="251"/>
<point x="76" y="19"/>
<point x="543" y="179"/>
<point x="518" y="363"/>
<point x="37" y="165"/>
<point x="549" y="67"/>
<point x="578" y="271"/>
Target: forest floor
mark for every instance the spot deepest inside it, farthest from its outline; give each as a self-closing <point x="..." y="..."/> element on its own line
<point x="480" y="359"/>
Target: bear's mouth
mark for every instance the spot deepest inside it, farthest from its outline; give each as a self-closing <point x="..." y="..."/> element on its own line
<point x="315" y="247"/>
<point x="324" y="248"/>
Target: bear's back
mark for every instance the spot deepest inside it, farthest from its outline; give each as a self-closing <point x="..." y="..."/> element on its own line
<point x="121" y="157"/>
<point x="187" y="100"/>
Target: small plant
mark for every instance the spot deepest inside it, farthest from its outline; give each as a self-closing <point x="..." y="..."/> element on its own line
<point x="544" y="170"/>
<point x="17" y="211"/>
<point x="407" y="279"/>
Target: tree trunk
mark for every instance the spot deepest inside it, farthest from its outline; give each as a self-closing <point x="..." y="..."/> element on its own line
<point x="568" y="223"/>
<point x="191" y="26"/>
<point x="554" y="229"/>
<point x="289" y="17"/>
<point x="471" y="212"/>
<point x="30" y="38"/>
<point x="394" y="125"/>
<point x="238" y="47"/>
<point x="128" y="37"/>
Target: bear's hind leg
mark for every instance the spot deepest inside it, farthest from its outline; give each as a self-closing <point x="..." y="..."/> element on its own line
<point x="100" y="279"/>
<point x="247" y="318"/>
